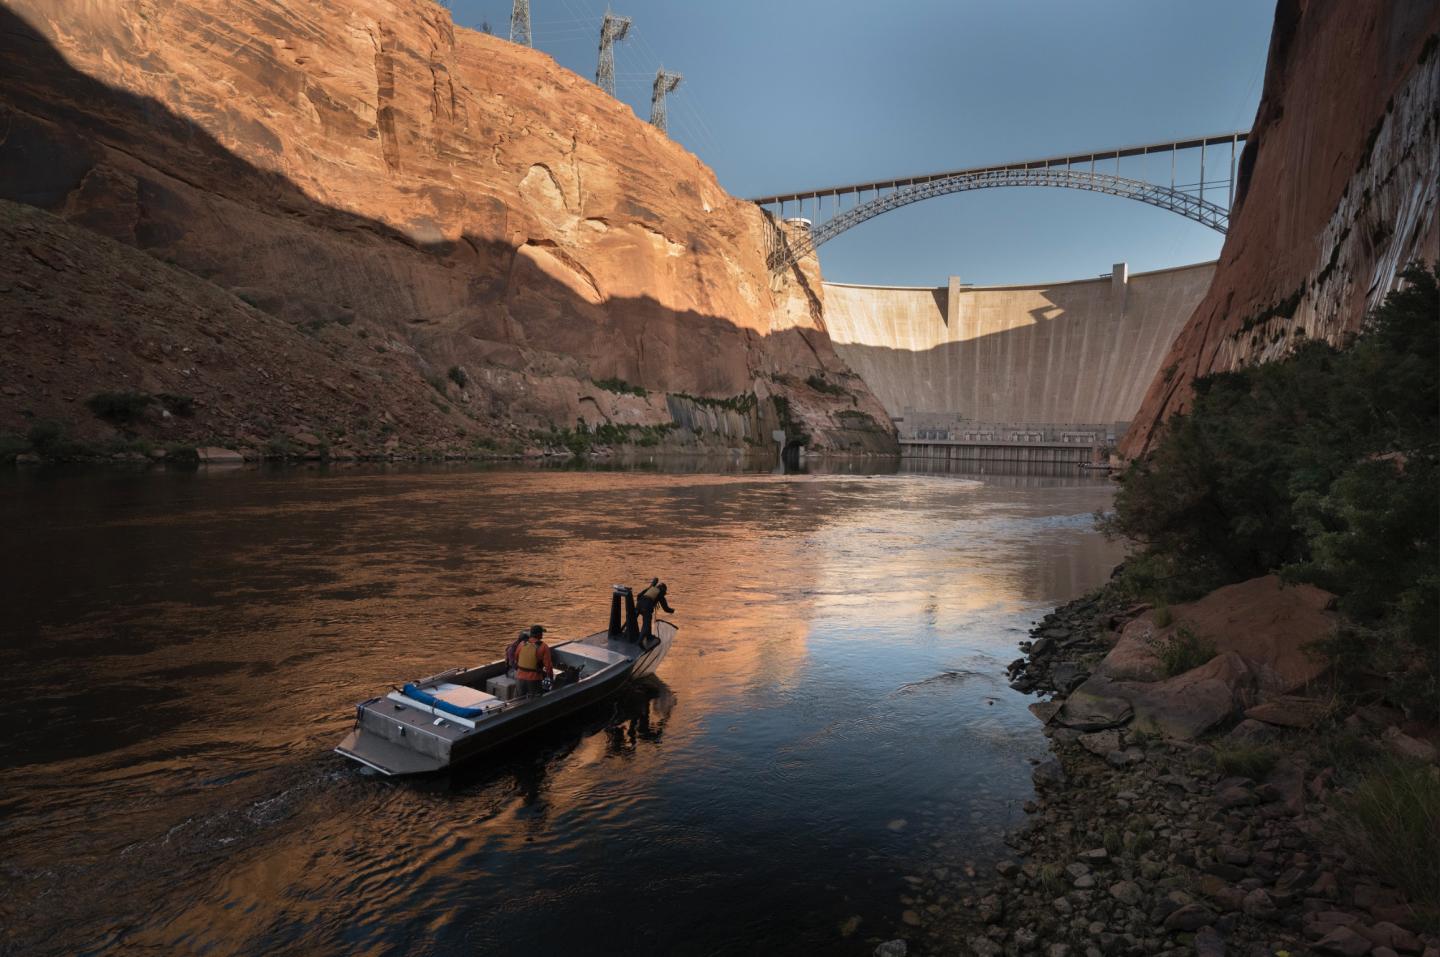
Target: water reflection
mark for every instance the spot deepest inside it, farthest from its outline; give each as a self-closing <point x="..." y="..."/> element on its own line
<point x="184" y="650"/>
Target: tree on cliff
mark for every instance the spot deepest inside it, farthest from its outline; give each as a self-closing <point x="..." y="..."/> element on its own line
<point x="1324" y="466"/>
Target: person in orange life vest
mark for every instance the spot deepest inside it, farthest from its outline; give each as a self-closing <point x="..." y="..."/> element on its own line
<point x="533" y="662"/>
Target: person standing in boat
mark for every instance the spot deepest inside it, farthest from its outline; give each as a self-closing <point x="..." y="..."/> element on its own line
<point x="533" y="662"/>
<point x="513" y="649"/>
<point x="645" y="603"/>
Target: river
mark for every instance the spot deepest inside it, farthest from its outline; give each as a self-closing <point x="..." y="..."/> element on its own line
<point x="831" y="735"/>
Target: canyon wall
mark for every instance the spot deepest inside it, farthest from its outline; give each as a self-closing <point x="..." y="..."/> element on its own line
<point x="484" y="244"/>
<point x="1069" y="352"/>
<point x="1338" y="190"/>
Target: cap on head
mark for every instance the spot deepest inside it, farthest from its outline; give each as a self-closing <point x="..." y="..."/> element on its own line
<point x="536" y="631"/>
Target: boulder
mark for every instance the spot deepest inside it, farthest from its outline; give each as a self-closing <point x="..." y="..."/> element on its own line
<point x="1397" y="938"/>
<point x="1270" y="625"/>
<point x="1133" y="658"/>
<point x="1402" y="744"/>
<point x="1067" y="675"/>
<point x="218" y="456"/>
<point x="1290" y="711"/>
<point x="1045" y="710"/>
<point x="1100" y="743"/>
<point x="1379" y="715"/>
<point x="1126" y="892"/>
<point x="1123" y="759"/>
<point x="892" y="948"/>
<point x="1094" y="706"/>
<point x="1189" y="918"/>
<point x="1251" y="731"/>
<point x="1209" y="943"/>
<point x="1188" y="705"/>
<point x="1344" y="942"/>
<point x="1049" y="774"/>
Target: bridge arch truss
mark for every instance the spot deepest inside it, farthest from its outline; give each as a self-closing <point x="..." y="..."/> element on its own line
<point x="1192" y="200"/>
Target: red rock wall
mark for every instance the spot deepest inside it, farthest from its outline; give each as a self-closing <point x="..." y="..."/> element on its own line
<point x="1339" y="188"/>
<point x="366" y="167"/>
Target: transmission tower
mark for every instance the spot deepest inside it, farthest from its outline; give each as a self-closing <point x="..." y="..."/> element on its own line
<point x="612" y="30"/>
<point x="520" y="23"/>
<point x="665" y="82"/>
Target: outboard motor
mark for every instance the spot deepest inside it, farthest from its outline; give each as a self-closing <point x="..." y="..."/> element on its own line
<point x="632" y="620"/>
<point x="615" y="592"/>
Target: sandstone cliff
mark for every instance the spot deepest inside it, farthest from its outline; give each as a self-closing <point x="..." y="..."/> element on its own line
<point x="517" y="247"/>
<point x="1338" y="190"/>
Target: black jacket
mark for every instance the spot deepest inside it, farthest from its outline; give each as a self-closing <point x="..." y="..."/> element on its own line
<point x="651" y="597"/>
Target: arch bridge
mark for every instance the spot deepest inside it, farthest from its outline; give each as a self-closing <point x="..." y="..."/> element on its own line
<point x="1167" y="178"/>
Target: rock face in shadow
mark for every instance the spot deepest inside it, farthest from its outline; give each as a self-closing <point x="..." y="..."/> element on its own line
<point x="368" y="168"/>
<point x="1338" y="190"/>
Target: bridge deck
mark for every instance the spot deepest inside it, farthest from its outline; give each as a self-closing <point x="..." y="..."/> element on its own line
<point x="1072" y="159"/>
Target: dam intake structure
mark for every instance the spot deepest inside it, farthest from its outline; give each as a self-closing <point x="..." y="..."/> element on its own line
<point x="1047" y="373"/>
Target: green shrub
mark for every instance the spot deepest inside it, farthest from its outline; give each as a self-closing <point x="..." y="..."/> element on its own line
<point x="621" y="387"/>
<point x="1052" y="879"/>
<point x="1252" y="761"/>
<point x="1324" y="467"/>
<point x="1183" y="651"/>
<point x="12" y="445"/>
<point x="742" y="403"/>
<point x="795" y="433"/>
<point x="821" y="384"/>
<point x="457" y="375"/>
<point x="1391" y="821"/>
<point x="119" y="407"/>
<point x="52" y="441"/>
<point x="182" y="456"/>
<point x="181" y="405"/>
<point x="1163" y="618"/>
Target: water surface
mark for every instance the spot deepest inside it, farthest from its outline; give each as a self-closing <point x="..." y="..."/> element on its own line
<point x="831" y="727"/>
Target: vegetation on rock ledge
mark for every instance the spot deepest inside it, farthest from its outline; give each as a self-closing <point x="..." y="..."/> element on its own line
<point x="1324" y="466"/>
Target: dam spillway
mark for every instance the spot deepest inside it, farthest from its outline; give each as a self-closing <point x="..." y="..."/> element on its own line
<point x="1047" y="354"/>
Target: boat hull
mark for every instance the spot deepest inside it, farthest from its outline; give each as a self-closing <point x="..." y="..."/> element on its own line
<point x="398" y="736"/>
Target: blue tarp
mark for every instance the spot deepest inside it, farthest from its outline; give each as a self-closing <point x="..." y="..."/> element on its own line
<point x="425" y="697"/>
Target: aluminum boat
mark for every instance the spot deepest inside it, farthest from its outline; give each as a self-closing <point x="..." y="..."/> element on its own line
<point x="434" y="723"/>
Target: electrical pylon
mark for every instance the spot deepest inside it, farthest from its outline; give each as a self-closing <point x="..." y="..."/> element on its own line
<point x="612" y="30"/>
<point x="520" y="23"/>
<point x="665" y="82"/>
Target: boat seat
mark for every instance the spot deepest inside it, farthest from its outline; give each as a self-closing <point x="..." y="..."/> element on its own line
<point x="462" y="696"/>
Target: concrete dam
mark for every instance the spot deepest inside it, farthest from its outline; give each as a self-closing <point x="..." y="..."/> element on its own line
<point x="1051" y="372"/>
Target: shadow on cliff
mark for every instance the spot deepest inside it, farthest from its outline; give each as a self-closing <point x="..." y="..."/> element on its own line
<point x="130" y="168"/>
<point x="1066" y="366"/>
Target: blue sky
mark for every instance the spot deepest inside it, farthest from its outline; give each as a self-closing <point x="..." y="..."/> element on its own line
<point x="789" y="94"/>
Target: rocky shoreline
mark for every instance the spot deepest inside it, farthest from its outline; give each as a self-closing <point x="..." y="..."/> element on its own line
<point x="1140" y="844"/>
